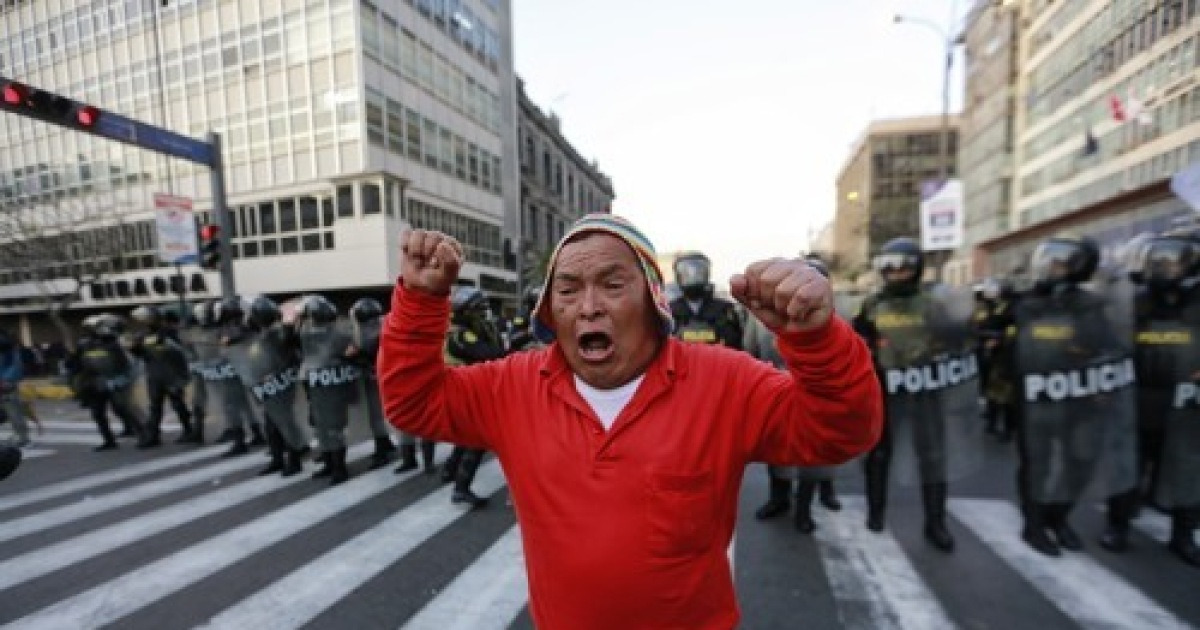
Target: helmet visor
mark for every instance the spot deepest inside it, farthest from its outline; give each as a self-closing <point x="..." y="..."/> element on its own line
<point x="692" y="272"/>
<point x="894" y="261"/>
<point x="1053" y="261"/>
<point x="1168" y="260"/>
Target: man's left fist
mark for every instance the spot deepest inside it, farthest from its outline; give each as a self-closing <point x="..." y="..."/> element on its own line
<point x="786" y="295"/>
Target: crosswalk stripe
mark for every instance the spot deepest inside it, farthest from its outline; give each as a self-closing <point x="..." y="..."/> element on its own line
<point x="874" y="583"/>
<point x="63" y="488"/>
<point x="124" y="496"/>
<point x="48" y="559"/>
<point x="35" y="453"/>
<point x="321" y="583"/>
<point x="67" y="439"/>
<point x="136" y="589"/>
<point x="72" y="425"/>
<point x="1081" y="588"/>
<point x="487" y="596"/>
<point x="1154" y="525"/>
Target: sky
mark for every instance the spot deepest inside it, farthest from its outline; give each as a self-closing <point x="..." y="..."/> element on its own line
<point x="740" y="112"/>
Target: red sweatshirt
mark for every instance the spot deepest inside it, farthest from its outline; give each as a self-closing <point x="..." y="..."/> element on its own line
<point x="628" y="528"/>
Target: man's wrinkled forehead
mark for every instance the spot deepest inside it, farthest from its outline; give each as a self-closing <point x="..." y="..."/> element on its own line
<point x="594" y="254"/>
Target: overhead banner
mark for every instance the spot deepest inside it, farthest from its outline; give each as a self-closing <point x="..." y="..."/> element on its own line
<point x="941" y="215"/>
<point x="176" y="227"/>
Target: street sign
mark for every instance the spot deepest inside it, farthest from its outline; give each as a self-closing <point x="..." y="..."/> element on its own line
<point x="176" y="228"/>
<point x="127" y="130"/>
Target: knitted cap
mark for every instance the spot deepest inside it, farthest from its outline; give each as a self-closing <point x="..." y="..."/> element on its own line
<point x="642" y="247"/>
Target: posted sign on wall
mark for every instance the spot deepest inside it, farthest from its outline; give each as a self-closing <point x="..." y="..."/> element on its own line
<point x="941" y="215"/>
<point x="176" y="229"/>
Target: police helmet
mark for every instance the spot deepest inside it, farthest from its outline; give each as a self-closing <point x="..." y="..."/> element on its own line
<point x="900" y="254"/>
<point x="990" y="289"/>
<point x="815" y="262"/>
<point x="147" y="316"/>
<point x="263" y="311"/>
<point x="532" y="295"/>
<point x="202" y="312"/>
<point x="366" y="309"/>
<point x="170" y="317"/>
<point x="466" y="299"/>
<point x="107" y="325"/>
<point x="229" y="311"/>
<point x="1064" y="260"/>
<point x="317" y="309"/>
<point x="1166" y="261"/>
<point x="692" y="273"/>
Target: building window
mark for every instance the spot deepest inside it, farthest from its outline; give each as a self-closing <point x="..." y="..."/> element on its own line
<point x="371" y="200"/>
<point x="345" y="201"/>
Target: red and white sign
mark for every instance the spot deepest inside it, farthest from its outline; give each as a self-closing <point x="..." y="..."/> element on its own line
<point x="176" y="225"/>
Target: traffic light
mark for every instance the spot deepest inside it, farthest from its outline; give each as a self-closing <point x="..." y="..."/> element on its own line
<point x="19" y="98"/>
<point x="210" y="246"/>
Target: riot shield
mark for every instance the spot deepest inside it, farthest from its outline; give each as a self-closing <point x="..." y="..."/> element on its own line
<point x="329" y="377"/>
<point x="1075" y="378"/>
<point x="930" y="380"/>
<point x="1168" y="369"/>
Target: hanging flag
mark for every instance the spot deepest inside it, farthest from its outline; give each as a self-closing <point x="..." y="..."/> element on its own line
<point x="1136" y="110"/>
<point x="1091" y="146"/>
<point x="1116" y="108"/>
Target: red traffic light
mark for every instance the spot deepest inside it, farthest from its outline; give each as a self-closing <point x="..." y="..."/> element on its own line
<point x="15" y="94"/>
<point x="209" y="232"/>
<point x="87" y="116"/>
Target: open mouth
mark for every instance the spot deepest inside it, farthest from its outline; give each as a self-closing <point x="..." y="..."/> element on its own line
<point x="595" y="346"/>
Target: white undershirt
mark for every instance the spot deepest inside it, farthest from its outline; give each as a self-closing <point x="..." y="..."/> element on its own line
<point x="608" y="403"/>
<point x="695" y="306"/>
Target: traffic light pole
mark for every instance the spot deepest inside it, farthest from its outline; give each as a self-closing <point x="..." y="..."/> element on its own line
<point x="221" y="215"/>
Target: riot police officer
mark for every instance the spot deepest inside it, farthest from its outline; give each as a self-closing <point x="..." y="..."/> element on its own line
<point x="330" y="379"/>
<point x="365" y="316"/>
<point x="268" y="364"/>
<point x="1075" y="381"/>
<point x="103" y="376"/>
<point x="1167" y="358"/>
<point x="472" y="339"/>
<point x="10" y="459"/>
<point x="200" y="345"/>
<point x="700" y="316"/>
<point x="993" y="316"/>
<point x="167" y="372"/>
<point x="760" y="343"/>
<point x="239" y="416"/>
<point x="923" y="354"/>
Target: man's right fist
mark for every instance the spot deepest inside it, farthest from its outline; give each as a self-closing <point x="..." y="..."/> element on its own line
<point x="429" y="261"/>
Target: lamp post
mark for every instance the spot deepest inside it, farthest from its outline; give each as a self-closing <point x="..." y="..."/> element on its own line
<point x="944" y="131"/>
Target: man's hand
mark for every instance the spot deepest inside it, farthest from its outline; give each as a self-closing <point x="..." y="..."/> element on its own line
<point x="429" y="261"/>
<point x="786" y="295"/>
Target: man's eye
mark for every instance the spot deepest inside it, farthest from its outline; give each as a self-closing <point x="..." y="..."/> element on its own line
<point x="616" y="284"/>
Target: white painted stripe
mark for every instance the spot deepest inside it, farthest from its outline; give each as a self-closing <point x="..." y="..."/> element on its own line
<point x="120" y="497"/>
<point x="34" y="453"/>
<point x="120" y="474"/>
<point x="71" y="425"/>
<point x="1154" y="525"/>
<point x="872" y="580"/>
<point x="319" y="584"/>
<point x="93" y="439"/>
<point x="1081" y="588"/>
<point x="45" y="560"/>
<point x="134" y="590"/>
<point x="487" y="596"/>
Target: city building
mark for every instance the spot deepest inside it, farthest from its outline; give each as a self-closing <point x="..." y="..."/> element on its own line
<point x="558" y="186"/>
<point x="341" y="121"/>
<point x="985" y="157"/>
<point x="879" y="187"/>
<point x="1107" y="112"/>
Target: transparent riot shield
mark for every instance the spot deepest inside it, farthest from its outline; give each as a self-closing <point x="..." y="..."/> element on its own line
<point x="930" y="379"/>
<point x="1075" y="377"/>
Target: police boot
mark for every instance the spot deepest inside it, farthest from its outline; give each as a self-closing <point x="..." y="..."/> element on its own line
<point x="226" y="436"/>
<point x="462" y="482"/>
<point x="185" y="435"/>
<point x="1119" y="514"/>
<point x="326" y="469"/>
<point x="828" y="497"/>
<point x="778" y="501"/>
<point x="1183" y="528"/>
<point x="196" y="434"/>
<point x="933" y="495"/>
<point x="1034" y="532"/>
<point x="450" y="468"/>
<point x="876" y="487"/>
<point x="408" y="458"/>
<point x="338" y="472"/>
<point x="275" y="448"/>
<point x="1067" y="538"/>
<point x="293" y="462"/>
<point x="427" y="457"/>
<point x="805" y="490"/>
<point x="258" y="438"/>
<point x="238" y="437"/>
<point x="991" y="417"/>
<point x="151" y="436"/>
<point x="383" y="453"/>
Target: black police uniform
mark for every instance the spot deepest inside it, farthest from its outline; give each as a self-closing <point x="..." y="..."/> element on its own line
<point x="699" y="315"/>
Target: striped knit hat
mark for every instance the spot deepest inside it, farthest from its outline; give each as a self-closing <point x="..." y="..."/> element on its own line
<point x="624" y="230"/>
